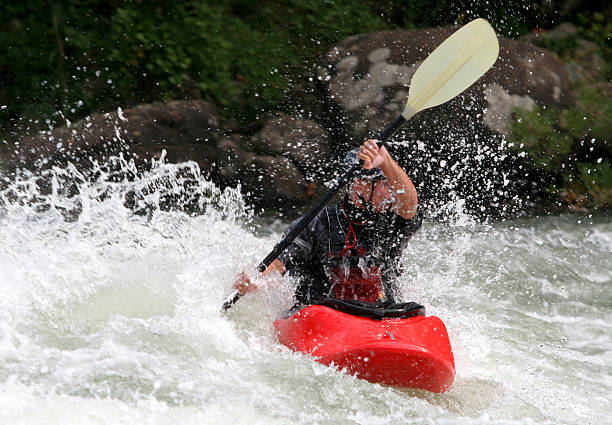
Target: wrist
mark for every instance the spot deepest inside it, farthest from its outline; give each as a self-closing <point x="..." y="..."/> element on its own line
<point x="275" y="266"/>
<point x="387" y="162"/>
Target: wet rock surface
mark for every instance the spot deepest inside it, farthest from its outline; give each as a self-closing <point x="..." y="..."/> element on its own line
<point x="280" y="165"/>
<point x="185" y="130"/>
<point x="368" y="76"/>
<point x="453" y="152"/>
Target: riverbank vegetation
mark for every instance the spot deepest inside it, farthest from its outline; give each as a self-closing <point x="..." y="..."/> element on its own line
<point x="63" y="62"/>
<point x="573" y="147"/>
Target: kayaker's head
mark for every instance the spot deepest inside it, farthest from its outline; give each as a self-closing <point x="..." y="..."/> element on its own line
<point x="368" y="196"/>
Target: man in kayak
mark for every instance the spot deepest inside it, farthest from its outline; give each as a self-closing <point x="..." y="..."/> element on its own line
<point x="352" y="250"/>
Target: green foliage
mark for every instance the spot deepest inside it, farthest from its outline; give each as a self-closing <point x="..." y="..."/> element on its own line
<point x="570" y="146"/>
<point x="510" y="18"/>
<point x="54" y="62"/>
<point x="84" y="56"/>
<point x="69" y="58"/>
<point x="595" y="175"/>
<point x="595" y="27"/>
<point x="537" y="133"/>
<point x="592" y="27"/>
<point x="561" y="46"/>
<point x="589" y="187"/>
<point x="590" y="118"/>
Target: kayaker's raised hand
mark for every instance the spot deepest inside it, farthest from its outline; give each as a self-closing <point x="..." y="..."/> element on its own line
<point x="371" y="155"/>
<point x="405" y="198"/>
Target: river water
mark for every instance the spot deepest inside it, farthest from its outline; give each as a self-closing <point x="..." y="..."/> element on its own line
<point x="111" y="314"/>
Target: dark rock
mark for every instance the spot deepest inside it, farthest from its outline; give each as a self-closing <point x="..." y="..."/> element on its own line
<point x="275" y="179"/>
<point x="564" y="30"/>
<point x="271" y="181"/>
<point x="232" y="158"/>
<point x="454" y="151"/>
<point x="367" y="75"/>
<point x="583" y="61"/>
<point x="529" y="72"/>
<point x="185" y="129"/>
<point x="588" y="56"/>
<point x="276" y="167"/>
<point x="302" y="141"/>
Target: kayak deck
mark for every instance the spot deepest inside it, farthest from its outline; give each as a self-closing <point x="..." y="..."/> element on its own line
<point x="412" y="352"/>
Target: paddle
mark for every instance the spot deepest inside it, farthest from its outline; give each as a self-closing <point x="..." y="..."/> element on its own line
<point x="450" y="69"/>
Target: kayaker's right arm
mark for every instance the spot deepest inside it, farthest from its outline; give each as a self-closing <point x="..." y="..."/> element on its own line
<point x="244" y="284"/>
<point x="405" y="199"/>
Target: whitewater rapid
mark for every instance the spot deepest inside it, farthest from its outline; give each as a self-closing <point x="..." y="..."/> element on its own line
<point x="110" y="312"/>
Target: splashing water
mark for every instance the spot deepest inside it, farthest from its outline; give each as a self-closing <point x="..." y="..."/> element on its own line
<point x="111" y="312"/>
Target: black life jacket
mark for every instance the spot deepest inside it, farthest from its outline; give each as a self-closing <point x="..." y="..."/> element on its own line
<point x="329" y="262"/>
<point x="354" y="262"/>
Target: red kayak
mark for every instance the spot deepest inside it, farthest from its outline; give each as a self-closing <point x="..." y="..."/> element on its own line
<point x="411" y="352"/>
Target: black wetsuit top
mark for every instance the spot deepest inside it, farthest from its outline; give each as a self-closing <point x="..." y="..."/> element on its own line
<point x="315" y="251"/>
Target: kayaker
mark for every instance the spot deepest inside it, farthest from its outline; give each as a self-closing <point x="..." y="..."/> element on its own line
<point x="352" y="250"/>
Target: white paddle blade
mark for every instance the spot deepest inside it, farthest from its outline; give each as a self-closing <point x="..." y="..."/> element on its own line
<point x="453" y="66"/>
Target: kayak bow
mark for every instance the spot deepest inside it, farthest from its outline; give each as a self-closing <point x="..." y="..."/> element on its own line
<point x="412" y="352"/>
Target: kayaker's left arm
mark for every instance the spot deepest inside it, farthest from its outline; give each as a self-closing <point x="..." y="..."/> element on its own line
<point x="298" y="251"/>
<point x="404" y="192"/>
<point x="244" y="283"/>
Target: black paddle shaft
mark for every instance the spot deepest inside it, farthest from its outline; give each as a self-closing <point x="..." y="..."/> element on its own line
<point x="307" y="218"/>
